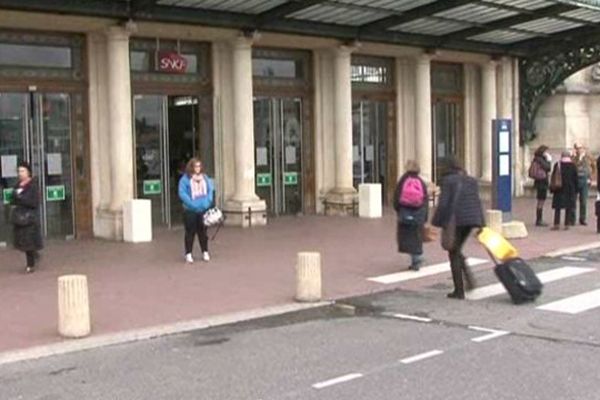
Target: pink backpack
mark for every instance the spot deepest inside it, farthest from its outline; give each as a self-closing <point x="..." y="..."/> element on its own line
<point x="412" y="194"/>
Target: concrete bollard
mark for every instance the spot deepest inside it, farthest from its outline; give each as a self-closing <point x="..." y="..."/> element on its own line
<point x="494" y="220"/>
<point x="308" y="277"/>
<point x="73" y="306"/>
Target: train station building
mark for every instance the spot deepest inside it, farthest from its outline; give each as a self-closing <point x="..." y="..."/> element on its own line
<point x="289" y="104"/>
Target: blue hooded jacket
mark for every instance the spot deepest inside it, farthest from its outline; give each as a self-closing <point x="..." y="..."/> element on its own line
<point x="200" y="204"/>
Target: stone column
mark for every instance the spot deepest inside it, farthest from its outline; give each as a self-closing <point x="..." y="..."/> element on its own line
<point x="340" y="199"/>
<point x="488" y="113"/>
<point x="120" y="122"/>
<point x="424" y="133"/>
<point x="120" y="132"/>
<point x="244" y="207"/>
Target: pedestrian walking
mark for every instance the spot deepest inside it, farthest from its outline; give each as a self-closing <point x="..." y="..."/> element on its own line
<point x="539" y="171"/>
<point x="196" y="191"/>
<point x="25" y="216"/>
<point x="410" y="203"/>
<point x="458" y="213"/>
<point x="563" y="185"/>
<point x="586" y="171"/>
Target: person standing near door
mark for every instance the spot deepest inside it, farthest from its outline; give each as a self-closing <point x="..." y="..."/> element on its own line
<point x="196" y="191"/>
<point x="459" y="211"/>
<point x="25" y="217"/>
<point x="410" y="203"/>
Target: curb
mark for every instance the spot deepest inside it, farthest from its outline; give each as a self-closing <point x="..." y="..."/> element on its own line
<point x="94" y="342"/>
<point x="574" y="249"/>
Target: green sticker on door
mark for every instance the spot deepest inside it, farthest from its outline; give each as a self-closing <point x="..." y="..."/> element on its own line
<point x="55" y="193"/>
<point x="153" y="186"/>
<point x="263" y="180"/>
<point x="7" y="195"/>
<point x="290" y="178"/>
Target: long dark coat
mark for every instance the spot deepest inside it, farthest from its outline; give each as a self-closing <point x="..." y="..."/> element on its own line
<point x="464" y="204"/>
<point x="410" y="237"/>
<point x="28" y="238"/>
<point x="566" y="196"/>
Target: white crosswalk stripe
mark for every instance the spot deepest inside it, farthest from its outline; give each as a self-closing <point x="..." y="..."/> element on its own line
<point x="545" y="277"/>
<point x="423" y="272"/>
<point x="574" y="304"/>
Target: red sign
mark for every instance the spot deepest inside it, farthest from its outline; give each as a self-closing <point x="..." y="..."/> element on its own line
<point x="172" y="63"/>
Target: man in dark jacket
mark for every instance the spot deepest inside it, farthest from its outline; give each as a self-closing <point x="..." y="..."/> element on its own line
<point x="458" y="212"/>
<point x="565" y="196"/>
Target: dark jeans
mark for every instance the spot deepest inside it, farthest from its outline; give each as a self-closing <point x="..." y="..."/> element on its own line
<point x="194" y="225"/>
<point x="569" y="216"/>
<point x="583" y="191"/>
<point x="458" y="263"/>
<point x="31" y="257"/>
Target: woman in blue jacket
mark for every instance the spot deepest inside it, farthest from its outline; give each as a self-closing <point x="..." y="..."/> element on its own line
<point x="196" y="191"/>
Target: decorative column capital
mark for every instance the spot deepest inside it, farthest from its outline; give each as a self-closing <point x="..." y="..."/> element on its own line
<point x="345" y="50"/>
<point x="120" y="33"/>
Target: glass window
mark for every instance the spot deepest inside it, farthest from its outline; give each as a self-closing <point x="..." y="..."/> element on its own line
<point x="140" y="61"/>
<point x="192" y="63"/>
<point x="370" y="74"/>
<point x="276" y="68"/>
<point x="35" y="56"/>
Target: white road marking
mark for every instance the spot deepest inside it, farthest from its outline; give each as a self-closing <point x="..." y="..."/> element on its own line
<point x="492" y="334"/>
<point x="338" y="380"/>
<point x="574" y="304"/>
<point x="545" y="277"/>
<point x="423" y="272"/>
<point x="421" y="356"/>
<point x="575" y="249"/>
<point x="570" y="258"/>
<point x="412" y="317"/>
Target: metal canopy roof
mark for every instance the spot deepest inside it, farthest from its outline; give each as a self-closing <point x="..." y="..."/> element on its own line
<point x="517" y="27"/>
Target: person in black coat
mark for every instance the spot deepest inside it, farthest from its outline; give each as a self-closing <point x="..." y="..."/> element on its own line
<point x="411" y="219"/>
<point x="544" y="162"/>
<point x="460" y="209"/>
<point x="565" y="196"/>
<point x="28" y="237"/>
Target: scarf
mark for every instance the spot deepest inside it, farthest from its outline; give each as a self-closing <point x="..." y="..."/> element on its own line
<point x="199" y="186"/>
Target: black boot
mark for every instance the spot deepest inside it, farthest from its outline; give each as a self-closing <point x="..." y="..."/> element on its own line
<point x="538" y="217"/>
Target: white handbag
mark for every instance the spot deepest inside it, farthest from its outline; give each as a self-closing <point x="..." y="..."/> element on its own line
<point x="213" y="216"/>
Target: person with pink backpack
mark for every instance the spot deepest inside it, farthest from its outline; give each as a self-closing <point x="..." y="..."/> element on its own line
<point x="410" y="203"/>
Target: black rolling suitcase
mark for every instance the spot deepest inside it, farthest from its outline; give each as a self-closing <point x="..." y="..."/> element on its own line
<point x="519" y="280"/>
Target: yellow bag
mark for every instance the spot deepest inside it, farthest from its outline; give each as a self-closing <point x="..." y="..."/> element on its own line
<point x="495" y="243"/>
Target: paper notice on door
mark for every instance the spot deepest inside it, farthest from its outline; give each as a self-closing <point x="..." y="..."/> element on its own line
<point x="355" y="154"/>
<point x="9" y="166"/>
<point x="290" y="155"/>
<point x="370" y="153"/>
<point x="261" y="157"/>
<point x="54" y="163"/>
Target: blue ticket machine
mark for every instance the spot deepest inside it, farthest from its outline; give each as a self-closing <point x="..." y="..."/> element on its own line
<point x="502" y="167"/>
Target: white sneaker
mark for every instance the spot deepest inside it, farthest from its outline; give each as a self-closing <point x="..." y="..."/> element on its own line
<point x="189" y="259"/>
<point x="206" y="256"/>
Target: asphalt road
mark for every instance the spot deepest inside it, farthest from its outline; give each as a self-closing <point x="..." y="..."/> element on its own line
<point x="399" y="345"/>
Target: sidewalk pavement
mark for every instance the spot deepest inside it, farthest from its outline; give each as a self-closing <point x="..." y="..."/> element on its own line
<point x="146" y="285"/>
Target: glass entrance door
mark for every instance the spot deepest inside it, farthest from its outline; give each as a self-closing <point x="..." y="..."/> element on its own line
<point x="446" y="133"/>
<point x="36" y="127"/>
<point x="278" y="157"/>
<point x="369" y="137"/>
<point x="166" y="138"/>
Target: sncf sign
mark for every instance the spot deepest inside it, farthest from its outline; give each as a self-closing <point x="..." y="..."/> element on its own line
<point x="171" y="62"/>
